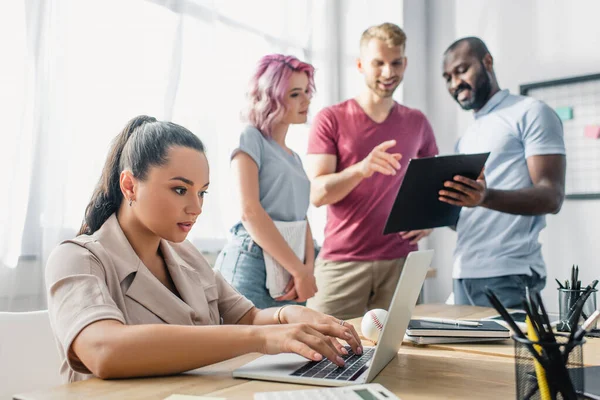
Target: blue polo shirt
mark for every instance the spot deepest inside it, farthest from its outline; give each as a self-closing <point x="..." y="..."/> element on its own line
<point x="490" y="243"/>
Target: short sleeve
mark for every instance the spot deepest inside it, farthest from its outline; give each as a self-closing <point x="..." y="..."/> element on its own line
<point x="251" y="143"/>
<point x="323" y="134"/>
<point x="428" y="144"/>
<point x="232" y="304"/>
<point x="542" y="131"/>
<point x="77" y="296"/>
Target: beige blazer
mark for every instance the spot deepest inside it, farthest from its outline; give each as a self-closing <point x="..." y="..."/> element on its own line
<point x="99" y="277"/>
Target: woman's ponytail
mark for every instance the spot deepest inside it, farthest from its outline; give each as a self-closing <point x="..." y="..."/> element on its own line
<point x="107" y="196"/>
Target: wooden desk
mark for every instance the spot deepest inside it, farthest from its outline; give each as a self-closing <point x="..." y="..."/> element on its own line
<point x="415" y="374"/>
<point x="418" y="372"/>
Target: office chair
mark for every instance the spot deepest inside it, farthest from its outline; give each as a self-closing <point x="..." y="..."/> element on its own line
<point x="28" y="354"/>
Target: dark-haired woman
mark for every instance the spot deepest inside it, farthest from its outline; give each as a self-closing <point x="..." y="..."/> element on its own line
<point x="130" y="297"/>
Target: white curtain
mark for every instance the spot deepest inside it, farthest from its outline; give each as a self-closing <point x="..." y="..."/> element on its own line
<point x="78" y="70"/>
<point x="18" y="79"/>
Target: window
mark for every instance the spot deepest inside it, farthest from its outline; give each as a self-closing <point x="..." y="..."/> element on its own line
<point x="188" y="62"/>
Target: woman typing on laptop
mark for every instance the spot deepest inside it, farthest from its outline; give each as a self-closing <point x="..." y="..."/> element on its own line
<point x="131" y="297"/>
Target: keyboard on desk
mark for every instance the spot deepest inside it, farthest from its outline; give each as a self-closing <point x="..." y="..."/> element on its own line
<point x="355" y="365"/>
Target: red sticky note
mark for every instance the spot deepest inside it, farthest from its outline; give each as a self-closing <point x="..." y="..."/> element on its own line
<point x="592" y="131"/>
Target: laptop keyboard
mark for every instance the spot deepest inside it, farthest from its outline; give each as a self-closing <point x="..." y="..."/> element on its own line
<point x="355" y="365"/>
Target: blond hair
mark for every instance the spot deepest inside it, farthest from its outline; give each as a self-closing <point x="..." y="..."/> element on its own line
<point x="389" y="33"/>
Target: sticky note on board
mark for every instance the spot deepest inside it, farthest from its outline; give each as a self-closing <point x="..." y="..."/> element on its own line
<point x="564" y="113"/>
<point x="592" y="131"/>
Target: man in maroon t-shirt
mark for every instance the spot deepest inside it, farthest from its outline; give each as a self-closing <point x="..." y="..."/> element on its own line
<point x="355" y="150"/>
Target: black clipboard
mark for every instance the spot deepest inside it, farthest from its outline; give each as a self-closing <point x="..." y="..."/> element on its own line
<point x="417" y="204"/>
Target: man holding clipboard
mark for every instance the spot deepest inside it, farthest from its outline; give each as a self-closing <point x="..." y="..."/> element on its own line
<point x="524" y="179"/>
<point x="355" y="150"/>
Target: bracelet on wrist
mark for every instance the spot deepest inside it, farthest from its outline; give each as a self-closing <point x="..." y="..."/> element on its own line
<point x="278" y="313"/>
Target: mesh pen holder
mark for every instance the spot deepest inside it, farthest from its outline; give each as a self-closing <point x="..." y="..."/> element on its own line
<point x="566" y="300"/>
<point x="530" y="375"/>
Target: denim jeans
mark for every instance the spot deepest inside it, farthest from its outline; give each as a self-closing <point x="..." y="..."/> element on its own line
<point x="509" y="289"/>
<point x="242" y="264"/>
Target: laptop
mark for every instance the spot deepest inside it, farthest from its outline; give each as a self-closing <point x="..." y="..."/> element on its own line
<point x="359" y="369"/>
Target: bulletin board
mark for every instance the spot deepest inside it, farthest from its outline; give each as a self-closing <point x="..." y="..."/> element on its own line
<point x="576" y="100"/>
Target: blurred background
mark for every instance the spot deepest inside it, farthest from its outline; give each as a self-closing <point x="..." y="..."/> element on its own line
<point x="73" y="72"/>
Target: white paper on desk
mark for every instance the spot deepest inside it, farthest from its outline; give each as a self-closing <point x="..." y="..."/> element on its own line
<point x="190" y="397"/>
<point x="294" y="233"/>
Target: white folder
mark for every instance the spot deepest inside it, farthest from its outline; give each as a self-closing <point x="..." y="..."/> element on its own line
<point x="278" y="277"/>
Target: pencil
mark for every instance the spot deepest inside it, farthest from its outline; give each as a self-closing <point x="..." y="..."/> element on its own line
<point x="539" y="370"/>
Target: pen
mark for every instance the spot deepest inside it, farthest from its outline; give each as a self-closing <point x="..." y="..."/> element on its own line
<point x="540" y="373"/>
<point x="573" y="295"/>
<point x="538" y="299"/>
<point x="580" y="334"/>
<point x="532" y="313"/>
<point x="593" y="285"/>
<point x="451" y="321"/>
<point x="585" y="326"/>
<point x="574" y="312"/>
<point x="502" y="311"/>
<point x="513" y="325"/>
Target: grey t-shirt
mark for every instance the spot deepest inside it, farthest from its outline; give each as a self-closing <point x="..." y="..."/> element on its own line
<point x="491" y="243"/>
<point x="284" y="188"/>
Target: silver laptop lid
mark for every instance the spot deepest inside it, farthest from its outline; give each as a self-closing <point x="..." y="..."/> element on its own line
<point x="400" y="310"/>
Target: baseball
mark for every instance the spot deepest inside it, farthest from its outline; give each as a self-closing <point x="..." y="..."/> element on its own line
<point x="372" y="324"/>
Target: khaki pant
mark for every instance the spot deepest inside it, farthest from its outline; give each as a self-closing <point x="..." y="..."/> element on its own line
<point x="348" y="289"/>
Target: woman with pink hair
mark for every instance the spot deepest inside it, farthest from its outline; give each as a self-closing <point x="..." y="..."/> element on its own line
<point x="270" y="258"/>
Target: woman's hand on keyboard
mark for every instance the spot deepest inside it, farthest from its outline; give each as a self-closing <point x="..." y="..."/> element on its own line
<point x="313" y="341"/>
<point x="299" y="314"/>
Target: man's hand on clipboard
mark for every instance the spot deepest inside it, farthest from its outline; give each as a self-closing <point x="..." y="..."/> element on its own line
<point x="464" y="192"/>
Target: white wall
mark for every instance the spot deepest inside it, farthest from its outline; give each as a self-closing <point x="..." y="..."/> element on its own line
<point x="423" y="23"/>
<point x="530" y="41"/>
